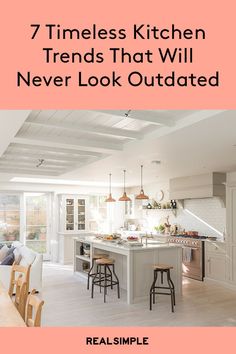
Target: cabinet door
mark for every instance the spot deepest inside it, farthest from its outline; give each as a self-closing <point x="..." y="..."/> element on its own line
<point x="231" y="215"/>
<point x="216" y="267"/>
<point x="81" y="214"/>
<point x="70" y="214"/>
<point x="231" y="233"/>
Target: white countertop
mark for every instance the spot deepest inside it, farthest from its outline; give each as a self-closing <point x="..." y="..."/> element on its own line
<point x="128" y="246"/>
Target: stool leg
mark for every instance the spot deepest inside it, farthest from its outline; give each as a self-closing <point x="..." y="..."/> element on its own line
<point x="173" y="287"/>
<point x="100" y="277"/>
<point x="118" y="283"/>
<point x="90" y="271"/>
<point x="111" y="276"/>
<point x="92" y="292"/>
<point x="161" y="277"/>
<point x="105" y="282"/>
<point x="171" y="290"/>
<point x="152" y="289"/>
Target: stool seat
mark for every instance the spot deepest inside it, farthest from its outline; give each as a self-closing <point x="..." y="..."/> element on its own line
<point x="103" y="261"/>
<point x="95" y="257"/>
<point x="162" y="267"/>
<point x="98" y="256"/>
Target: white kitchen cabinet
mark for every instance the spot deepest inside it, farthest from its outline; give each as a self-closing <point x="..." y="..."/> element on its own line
<point x="73" y="213"/>
<point x="231" y="233"/>
<point x="216" y="261"/>
<point x="73" y="221"/>
<point x="215" y="267"/>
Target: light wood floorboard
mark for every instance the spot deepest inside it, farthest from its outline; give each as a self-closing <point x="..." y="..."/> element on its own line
<point x="68" y="303"/>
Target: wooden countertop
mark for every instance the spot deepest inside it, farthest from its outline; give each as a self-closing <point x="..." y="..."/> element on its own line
<point x="9" y="316"/>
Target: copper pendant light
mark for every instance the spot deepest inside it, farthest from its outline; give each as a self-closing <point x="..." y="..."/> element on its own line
<point x="141" y="195"/>
<point x="110" y="199"/>
<point x="124" y="197"/>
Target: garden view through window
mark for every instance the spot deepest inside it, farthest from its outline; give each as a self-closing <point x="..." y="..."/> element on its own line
<point x="23" y="217"/>
<point x="9" y="217"/>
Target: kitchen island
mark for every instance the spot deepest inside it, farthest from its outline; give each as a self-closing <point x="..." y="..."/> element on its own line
<point x="133" y="264"/>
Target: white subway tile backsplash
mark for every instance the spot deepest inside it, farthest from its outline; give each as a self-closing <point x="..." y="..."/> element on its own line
<point x="207" y="216"/>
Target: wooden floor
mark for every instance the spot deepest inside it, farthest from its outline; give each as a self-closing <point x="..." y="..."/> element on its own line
<point x="68" y="303"/>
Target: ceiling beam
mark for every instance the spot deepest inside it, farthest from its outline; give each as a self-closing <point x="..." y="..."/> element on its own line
<point x="35" y="156"/>
<point x="70" y="142"/>
<point x="145" y="116"/>
<point x="51" y="149"/>
<point x="82" y="128"/>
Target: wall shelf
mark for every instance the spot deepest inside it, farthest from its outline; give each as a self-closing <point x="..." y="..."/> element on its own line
<point x="173" y="211"/>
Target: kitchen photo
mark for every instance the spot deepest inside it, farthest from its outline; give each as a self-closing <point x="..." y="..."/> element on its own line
<point x="117" y="218"/>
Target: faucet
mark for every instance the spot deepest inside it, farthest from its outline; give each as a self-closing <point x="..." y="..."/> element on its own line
<point x="146" y="237"/>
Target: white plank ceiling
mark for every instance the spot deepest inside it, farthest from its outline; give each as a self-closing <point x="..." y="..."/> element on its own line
<point x="52" y="143"/>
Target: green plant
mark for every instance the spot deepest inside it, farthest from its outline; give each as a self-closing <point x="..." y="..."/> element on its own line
<point x="161" y="228"/>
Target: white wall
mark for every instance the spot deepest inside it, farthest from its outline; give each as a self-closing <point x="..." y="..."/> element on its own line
<point x="207" y="216"/>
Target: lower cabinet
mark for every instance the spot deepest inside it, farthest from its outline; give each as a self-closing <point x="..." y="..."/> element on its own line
<point x="215" y="267"/>
<point x="216" y="261"/>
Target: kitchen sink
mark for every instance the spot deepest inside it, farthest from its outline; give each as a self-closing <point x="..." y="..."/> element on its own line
<point x="154" y="242"/>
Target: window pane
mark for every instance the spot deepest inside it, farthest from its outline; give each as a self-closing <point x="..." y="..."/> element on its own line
<point x="9" y="202"/>
<point x="36" y="222"/>
<point x="36" y="233"/>
<point x="9" y="217"/>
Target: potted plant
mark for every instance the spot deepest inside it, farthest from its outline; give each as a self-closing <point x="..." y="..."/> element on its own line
<point x="161" y="228"/>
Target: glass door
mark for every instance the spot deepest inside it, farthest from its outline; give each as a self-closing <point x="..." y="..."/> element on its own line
<point x="70" y="212"/>
<point x="37" y="209"/>
<point x="81" y="214"/>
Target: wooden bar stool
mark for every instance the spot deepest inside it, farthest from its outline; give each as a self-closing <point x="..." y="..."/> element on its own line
<point x="162" y="269"/>
<point x="94" y="258"/>
<point x="103" y="279"/>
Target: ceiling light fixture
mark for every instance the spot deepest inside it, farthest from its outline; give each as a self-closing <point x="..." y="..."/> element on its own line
<point x="141" y="195"/>
<point x="40" y="162"/>
<point x="124" y="197"/>
<point x="127" y="113"/>
<point x="110" y="199"/>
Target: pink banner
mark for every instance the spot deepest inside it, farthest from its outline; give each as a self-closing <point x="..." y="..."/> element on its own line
<point x="128" y="54"/>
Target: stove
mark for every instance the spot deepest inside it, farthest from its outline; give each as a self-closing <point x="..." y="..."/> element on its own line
<point x="192" y="255"/>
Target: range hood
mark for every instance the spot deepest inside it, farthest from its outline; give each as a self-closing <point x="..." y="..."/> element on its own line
<point x="201" y="186"/>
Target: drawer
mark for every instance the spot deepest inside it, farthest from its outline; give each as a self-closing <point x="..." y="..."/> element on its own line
<point x="215" y="247"/>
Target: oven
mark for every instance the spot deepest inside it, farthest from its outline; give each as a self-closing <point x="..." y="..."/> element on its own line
<point x="193" y="265"/>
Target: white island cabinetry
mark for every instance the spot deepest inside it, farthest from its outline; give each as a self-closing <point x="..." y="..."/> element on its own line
<point x="134" y="265"/>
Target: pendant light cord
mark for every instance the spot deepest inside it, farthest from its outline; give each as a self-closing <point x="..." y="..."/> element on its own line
<point x="124" y="180"/>
<point x="141" y="176"/>
<point x="110" y="183"/>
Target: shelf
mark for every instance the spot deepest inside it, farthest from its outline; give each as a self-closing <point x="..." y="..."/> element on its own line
<point x="83" y="258"/>
<point x="161" y="209"/>
<point x="174" y="211"/>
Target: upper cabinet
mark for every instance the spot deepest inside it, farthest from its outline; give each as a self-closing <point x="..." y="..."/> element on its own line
<point x="73" y="213"/>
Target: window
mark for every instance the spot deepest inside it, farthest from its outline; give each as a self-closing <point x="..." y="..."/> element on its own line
<point x="98" y="214"/>
<point x="9" y="217"/>
<point x="36" y="221"/>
